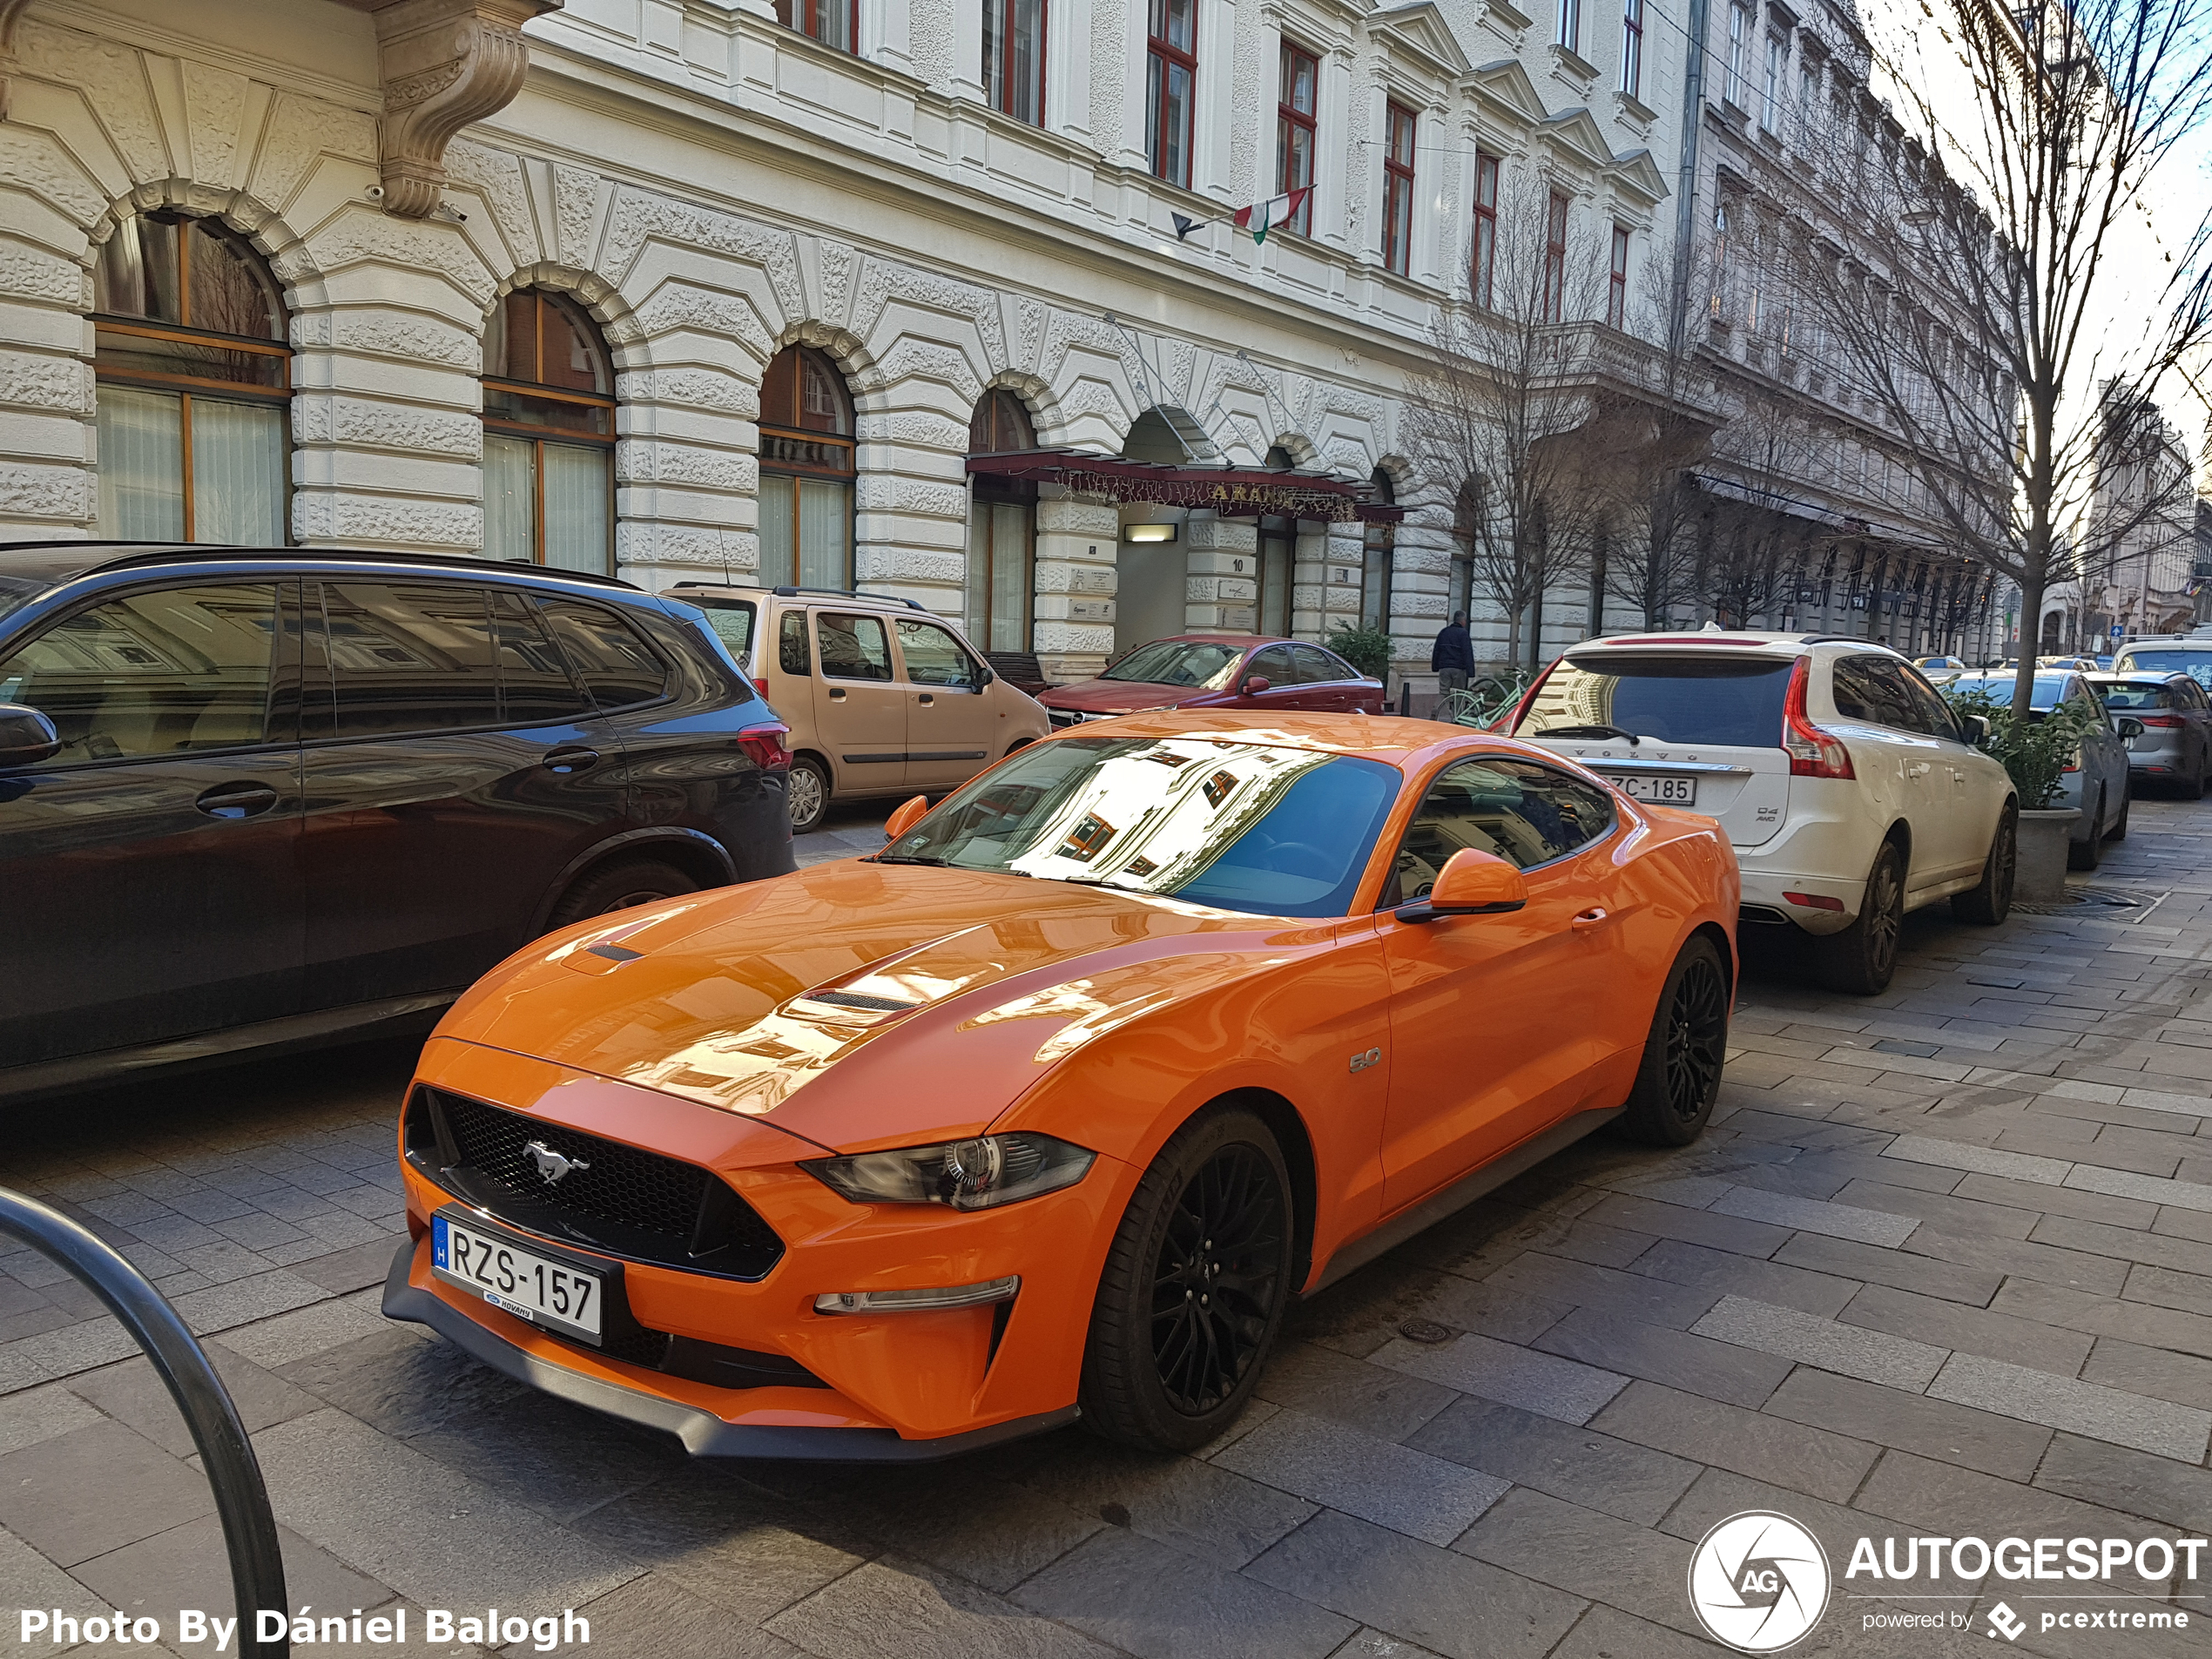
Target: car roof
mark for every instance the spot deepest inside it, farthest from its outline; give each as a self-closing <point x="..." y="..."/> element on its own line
<point x="2135" y="676"/>
<point x="843" y="596"/>
<point x="1739" y="639"/>
<point x="59" y="561"/>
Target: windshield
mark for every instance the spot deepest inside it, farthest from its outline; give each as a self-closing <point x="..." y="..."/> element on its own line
<point x="2196" y="661"/>
<point x="1998" y="688"/>
<point x="1179" y="662"/>
<point x="1731" y="701"/>
<point x="1233" y="824"/>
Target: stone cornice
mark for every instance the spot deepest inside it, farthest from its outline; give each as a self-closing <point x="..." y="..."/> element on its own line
<point x="443" y="65"/>
<point x="10" y="14"/>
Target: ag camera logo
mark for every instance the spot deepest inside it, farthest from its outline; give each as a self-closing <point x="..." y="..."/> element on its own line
<point x="1758" y="1581"/>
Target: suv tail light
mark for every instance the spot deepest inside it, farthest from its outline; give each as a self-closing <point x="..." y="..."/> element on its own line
<point x="764" y="744"/>
<point x="1813" y="752"/>
<point x="2159" y="720"/>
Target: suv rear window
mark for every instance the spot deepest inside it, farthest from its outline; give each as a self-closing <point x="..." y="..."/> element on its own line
<point x="1733" y="702"/>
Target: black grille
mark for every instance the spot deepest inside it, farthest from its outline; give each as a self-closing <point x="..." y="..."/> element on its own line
<point x="627" y="1202"/>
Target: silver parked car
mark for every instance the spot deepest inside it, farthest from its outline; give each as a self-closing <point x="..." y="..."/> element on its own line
<point x="2096" y="784"/>
<point x="2175" y="746"/>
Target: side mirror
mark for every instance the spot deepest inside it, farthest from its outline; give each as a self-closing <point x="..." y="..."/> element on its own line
<point x="27" y="737"/>
<point x="1977" y="730"/>
<point x="905" y="819"/>
<point x="984" y="675"/>
<point x="2129" y="728"/>
<point x="1470" y="884"/>
<point x="1254" y="685"/>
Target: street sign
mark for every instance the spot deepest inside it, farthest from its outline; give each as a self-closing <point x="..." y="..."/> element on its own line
<point x="2116" y="630"/>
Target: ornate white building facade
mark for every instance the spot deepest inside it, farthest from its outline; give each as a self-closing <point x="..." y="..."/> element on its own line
<point x="515" y="275"/>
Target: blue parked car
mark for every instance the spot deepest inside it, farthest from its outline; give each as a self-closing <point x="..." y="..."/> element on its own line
<point x="2096" y="785"/>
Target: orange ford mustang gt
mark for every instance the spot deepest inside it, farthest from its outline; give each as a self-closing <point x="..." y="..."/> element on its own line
<point x="1049" y="1107"/>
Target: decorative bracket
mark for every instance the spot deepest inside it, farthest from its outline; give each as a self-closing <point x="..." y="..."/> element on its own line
<point x="443" y="65"/>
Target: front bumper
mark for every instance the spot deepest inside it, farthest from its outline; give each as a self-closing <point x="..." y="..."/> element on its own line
<point x="703" y="1434"/>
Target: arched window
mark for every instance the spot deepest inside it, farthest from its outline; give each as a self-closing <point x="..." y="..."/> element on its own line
<point x="806" y="472"/>
<point x="549" y="435"/>
<point x="1376" y="559"/>
<point x="195" y="378"/>
<point x="1002" y="528"/>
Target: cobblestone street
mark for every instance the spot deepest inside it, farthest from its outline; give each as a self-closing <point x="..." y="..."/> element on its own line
<point x="1943" y="1264"/>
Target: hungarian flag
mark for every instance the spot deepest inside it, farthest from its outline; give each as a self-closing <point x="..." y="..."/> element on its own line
<point x="1262" y="217"/>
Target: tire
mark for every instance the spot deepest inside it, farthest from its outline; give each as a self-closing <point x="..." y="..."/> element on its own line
<point x="810" y="794"/>
<point x="1991" y="902"/>
<point x="1152" y="1375"/>
<point x="2119" y="831"/>
<point x="2195" y="790"/>
<point x="618" y="887"/>
<point x="1680" y="1077"/>
<point x="1860" y="960"/>
<point x="2088" y="854"/>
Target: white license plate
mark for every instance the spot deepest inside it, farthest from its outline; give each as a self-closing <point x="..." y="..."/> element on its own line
<point x="1661" y="791"/>
<point x="558" y="1295"/>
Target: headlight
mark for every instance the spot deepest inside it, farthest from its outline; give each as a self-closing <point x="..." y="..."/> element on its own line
<point x="980" y="1174"/>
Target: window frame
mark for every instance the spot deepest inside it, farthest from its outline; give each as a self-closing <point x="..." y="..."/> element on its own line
<point x="1613" y="825"/>
<point x="805" y="17"/>
<point x="1398" y="186"/>
<point x="794" y="471"/>
<point x="1162" y="56"/>
<point x="1567" y="26"/>
<point x="1616" y="280"/>
<point x="1291" y="121"/>
<point x="1632" y="47"/>
<point x="1482" y="255"/>
<point x="538" y="435"/>
<point x="1774" y="77"/>
<point x="1552" y="302"/>
<point x="1739" y="32"/>
<point x="1005" y="98"/>
<point x="185" y="387"/>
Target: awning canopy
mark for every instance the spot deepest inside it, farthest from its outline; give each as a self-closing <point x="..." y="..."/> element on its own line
<point x="1223" y="490"/>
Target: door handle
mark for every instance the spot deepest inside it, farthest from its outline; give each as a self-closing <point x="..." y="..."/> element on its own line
<point x="566" y="761"/>
<point x="1596" y="916"/>
<point x="926" y="698"/>
<point x="236" y="800"/>
<point x="1921" y="770"/>
<point x="837" y="694"/>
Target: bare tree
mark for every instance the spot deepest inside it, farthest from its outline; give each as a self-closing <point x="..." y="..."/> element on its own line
<point x="1756" y="546"/>
<point x="1504" y="400"/>
<point x="1992" y="237"/>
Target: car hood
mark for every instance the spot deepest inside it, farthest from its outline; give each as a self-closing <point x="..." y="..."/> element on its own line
<point x="1122" y="697"/>
<point x="860" y="1005"/>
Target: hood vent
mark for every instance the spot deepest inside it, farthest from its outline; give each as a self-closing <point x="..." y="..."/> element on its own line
<point x="857" y="999"/>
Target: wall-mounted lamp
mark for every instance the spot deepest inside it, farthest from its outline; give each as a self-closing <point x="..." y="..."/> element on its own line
<point x="1150" y="532"/>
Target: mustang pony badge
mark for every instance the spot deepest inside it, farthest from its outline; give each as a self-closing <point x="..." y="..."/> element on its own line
<point x="552" y="1167"/>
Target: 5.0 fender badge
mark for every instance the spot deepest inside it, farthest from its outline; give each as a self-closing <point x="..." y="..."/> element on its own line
<point x="1361" y="1061"/>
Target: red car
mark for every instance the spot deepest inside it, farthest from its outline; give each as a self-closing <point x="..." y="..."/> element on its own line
<point x="1251" y="672"/>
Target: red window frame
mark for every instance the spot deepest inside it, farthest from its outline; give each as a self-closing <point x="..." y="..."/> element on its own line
<point x="1484" y="258"/>
<point x="812" y="17"/>
<point x="1554" y="294"/>
<point x="1632" y="47"/>
<point x="1400" y="125"/>
<point x="1616" y="281"/>
<point x="1164" y="58"/>
<point x="1294" y="122"/>
<point x="1009" y="89"/>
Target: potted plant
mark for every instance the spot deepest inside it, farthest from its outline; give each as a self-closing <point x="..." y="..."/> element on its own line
<point x="2035" y="749"/>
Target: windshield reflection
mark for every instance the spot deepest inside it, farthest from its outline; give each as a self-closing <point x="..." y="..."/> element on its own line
<point x="1199" y="662"/>
<point x="1234" y="825"/>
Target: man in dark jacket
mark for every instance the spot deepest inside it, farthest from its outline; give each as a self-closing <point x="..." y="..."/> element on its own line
<point x="1452" y="659"/>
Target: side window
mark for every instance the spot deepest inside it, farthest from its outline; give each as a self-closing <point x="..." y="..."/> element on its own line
<point x="1520" y="811"/>
<point x="1317" y="667"/>
<point x="409" y="657"/>
<point x="732" y="621"/>
<point x="933" y="657"/>
<point x="159" y="673"/>
<point x="1871" y="688"/>
<point x="619" y="669"/>
<point x="1935" y="713"/>
<point x="1274" y="665"/>
<point x="790" y="644"/>
<point x="854" y="648"/>
<point x="535" y="685"/>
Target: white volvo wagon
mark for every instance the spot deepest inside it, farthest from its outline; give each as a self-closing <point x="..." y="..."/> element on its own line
<point x="1852" y="792"/>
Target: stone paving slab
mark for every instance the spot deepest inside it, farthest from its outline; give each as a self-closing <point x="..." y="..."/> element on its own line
<point x="1942" y="1263"/>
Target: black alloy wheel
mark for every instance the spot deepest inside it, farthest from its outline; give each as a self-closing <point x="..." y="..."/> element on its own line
<point x="1990" y="901"/>
<point x="1860" y="960"/>
<point x="1680" y="1077"/>
<point x="1193" y="1288"/>
<point x="1215" y="1283"/>
<point x="2088" y="852"/>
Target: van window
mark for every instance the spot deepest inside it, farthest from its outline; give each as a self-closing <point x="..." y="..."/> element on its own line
<point x="854" y="648"/>
<point x="167" y="672"/>
<point x="732" y="620"/>
<point x="790" y="644"/>
<point x="933" y="657"/>
<point x="1730" y="701"/>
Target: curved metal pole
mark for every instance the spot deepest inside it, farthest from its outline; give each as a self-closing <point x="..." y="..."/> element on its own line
<point x="249" y="1528"/>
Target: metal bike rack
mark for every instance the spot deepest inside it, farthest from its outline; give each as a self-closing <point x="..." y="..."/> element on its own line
<point x="249" y="1528"/>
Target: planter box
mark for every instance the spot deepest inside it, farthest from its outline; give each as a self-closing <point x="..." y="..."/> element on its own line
<point x="2041" y="878"/>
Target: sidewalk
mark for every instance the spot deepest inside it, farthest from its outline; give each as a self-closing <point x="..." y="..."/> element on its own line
<point x="1943" y="1267"/>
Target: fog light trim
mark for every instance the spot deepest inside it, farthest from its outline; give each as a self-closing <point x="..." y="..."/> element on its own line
<point x="928" y="1299"/>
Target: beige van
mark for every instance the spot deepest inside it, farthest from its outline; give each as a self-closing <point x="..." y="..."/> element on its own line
<point x="882" y="696"/>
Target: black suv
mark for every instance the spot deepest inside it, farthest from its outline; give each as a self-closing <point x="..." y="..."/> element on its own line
<point x="249" y="798"/>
